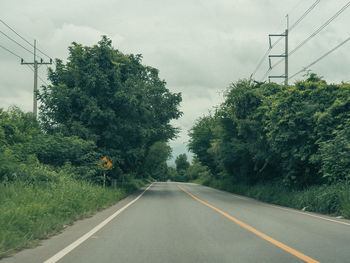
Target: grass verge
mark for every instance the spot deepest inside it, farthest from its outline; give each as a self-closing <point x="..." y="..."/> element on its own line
<point x="29" y="213"/>
<point x="326" y="199"/>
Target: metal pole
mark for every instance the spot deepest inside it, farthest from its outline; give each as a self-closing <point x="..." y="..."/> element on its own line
<point x="35" y="63"/>
<point x="104" y="179"/>
<point x="35" y="107"/>
<point x="286" y="50"/>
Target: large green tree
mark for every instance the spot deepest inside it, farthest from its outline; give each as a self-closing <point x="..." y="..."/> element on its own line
<point x="110" y="98"/>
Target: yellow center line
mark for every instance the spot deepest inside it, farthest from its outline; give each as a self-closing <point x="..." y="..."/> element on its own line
<point x="254" y="231"/>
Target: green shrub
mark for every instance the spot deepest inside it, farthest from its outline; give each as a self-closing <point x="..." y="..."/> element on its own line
<point x="345" y="201"/>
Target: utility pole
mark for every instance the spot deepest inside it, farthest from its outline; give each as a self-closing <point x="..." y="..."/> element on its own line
<point x="286" y="53"/>
<point x="285" y="56"/>
<point x="35" y="64"/>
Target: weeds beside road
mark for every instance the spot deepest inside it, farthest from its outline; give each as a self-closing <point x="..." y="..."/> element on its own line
<point x="326" y="199"/>
<point x="31" y="212"/>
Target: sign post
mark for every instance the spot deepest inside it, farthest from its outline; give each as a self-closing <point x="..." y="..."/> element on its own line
<point x="106" y="166"/>
<point x="104" y="178"/>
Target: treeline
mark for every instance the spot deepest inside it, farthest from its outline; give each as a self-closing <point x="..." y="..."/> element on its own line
<point x="296" y="136"/>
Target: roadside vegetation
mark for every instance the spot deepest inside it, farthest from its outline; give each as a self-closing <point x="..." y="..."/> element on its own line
<point x="284" y="145"/>
<point x="101" y="102"/>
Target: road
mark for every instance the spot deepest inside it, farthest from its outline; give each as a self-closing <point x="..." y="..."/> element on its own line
<point x="179" y="222"/>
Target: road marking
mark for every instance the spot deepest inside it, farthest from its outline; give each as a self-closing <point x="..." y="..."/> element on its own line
<point x="76" y="243"/>
<point x="308" y="214"/>
<point x="255" y="231"/>
<point x="290" y="209"/>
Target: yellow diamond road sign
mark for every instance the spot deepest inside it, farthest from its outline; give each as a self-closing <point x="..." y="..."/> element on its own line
<point x="106" y="163"/>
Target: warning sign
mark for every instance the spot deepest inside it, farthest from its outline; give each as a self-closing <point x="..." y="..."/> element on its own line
<point x="105" y="163"/>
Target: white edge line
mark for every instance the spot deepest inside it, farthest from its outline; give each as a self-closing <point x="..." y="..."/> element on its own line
<point x="308" y="214"/>
<point x="80" y="240"/>
<point x="290" y="209"/>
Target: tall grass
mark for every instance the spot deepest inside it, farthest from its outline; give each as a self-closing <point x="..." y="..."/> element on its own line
<point x="30" y="212"/>
<point x="327" y="199"/>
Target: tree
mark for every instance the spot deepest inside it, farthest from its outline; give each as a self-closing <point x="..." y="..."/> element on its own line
<point x="197" y="170"/>
<point x="201" y="136"/>
<point x="182" y="165"/>
<point x="110" y="98"/>
<point x="155" y="162"/>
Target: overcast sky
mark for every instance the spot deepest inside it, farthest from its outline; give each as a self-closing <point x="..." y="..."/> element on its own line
<point x="200" y="47"/>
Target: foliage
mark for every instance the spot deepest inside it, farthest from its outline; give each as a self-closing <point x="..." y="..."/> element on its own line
<point x="173" y="175"/>
<point x="296" y="135"/>
<point x="328" y="199"/>
<point x="155" y="164"/>
<point x="201" y="136"/>
<point x="29" y="213"/>
<point x="100" y="103"/>
<point x="197" y="170"/>
<point x="110" y="98"/>
<point x="182" y="164"/>
<point x="25" y="149"/>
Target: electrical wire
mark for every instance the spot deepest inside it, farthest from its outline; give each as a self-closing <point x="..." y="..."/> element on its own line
<point x="320" y="58"/>
<point x="311" y="36"/>
<point x="261" y="61"/>
<point x="320" y="28"/>
<point x="16" y="42"/>
<point x="13" y="53"/>
<point x="266" y="53"/>
<point x="14" y="31"/>
<point x="10" y="51"/>
<point x="279" y="39"/>
<point x="53" y="61"/>
<point x="305" y="14"/>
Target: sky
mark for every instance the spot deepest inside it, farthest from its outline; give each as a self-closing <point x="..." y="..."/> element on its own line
<point x="199" y="46"/>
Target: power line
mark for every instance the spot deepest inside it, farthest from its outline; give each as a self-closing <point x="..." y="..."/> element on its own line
<point x="266" y="53"/>
<point x="14" y="31"/>
<point x="35" y="63"/>
<point x="279" y="39"/>
<point x="10" y="51"/>
<point x="320" y="28"/>
<point x="260" y="62"/>
<point x="16" y="42"/>
<point x="320" y="58"/>
<point x="305" y="14"/>
<point x="53" y="61"/>
<point x="311" y="36"/>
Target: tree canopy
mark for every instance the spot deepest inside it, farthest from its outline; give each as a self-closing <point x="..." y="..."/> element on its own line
<point x="110" y="98"/>
<point x="297" y="135"/>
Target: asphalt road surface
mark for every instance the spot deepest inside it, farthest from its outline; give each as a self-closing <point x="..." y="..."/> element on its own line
<point x="179" y="222"/>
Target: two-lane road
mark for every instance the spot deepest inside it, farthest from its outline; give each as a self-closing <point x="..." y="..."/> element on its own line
<point x="178" y="222"/>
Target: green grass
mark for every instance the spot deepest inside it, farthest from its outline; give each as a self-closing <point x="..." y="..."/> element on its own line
<point x="327" y="199"/>
<point x="30" y="212"/>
